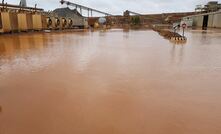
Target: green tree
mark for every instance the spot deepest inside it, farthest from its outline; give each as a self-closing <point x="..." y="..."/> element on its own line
<point x="135" y="20"/>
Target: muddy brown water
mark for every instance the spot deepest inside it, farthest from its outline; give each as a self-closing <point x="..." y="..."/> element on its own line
<point x="114" y="82"/>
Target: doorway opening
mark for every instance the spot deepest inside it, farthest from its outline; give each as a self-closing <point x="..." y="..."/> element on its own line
<point x="0" y="21"/>
<point x="205" y="21"/>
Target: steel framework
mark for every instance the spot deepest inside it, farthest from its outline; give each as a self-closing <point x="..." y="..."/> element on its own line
<point x="81" y="7"/>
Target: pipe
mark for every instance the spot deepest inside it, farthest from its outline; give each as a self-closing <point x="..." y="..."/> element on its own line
<point x="18" y="7"/>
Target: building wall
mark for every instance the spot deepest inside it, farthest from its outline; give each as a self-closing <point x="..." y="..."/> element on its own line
<point x="214" y="20"/>
<point x="198" y="21"/>
<point x="78" y="21"/>
<point x="210" y="21"/>
<point x="217" y="20"/>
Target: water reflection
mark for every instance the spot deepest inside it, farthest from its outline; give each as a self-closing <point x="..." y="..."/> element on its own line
<point x="24" y="52"/>
<point x="126" y="33"/>
<point x="177" y="54"/>
<point x="9" y="45"/>
<point x="13" y="44"/>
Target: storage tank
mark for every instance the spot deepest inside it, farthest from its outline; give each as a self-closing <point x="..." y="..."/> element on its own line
<point x="37" y="22"/>
<point x="8" y="22"/>
<point x="25" y="22"/>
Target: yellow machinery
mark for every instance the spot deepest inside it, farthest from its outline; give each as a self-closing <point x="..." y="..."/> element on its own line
<point x="49" y="23"/>
<point x="39" y="22"/>
<point x="70" y="23"/>
<point x="8" y="22"/>
<point x="44" y="21"/>
<point x="63" y="23"/>
<point x="96" y="25"/>
<point x="25" y="22"/>
<point x="55" y="23"/>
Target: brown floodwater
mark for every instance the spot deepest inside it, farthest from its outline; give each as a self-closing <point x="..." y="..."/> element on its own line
<point x="114" y="82"/>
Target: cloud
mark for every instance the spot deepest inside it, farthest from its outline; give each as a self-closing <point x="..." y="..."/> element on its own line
<point x="118" y="6"/>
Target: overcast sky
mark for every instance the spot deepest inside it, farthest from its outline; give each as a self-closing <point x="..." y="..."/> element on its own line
<point x="118" y="6"/>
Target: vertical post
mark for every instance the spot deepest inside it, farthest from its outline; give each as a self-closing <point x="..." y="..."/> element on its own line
<point x="183" y="31"/>
<point x="184" y="26"/>
<point x="81" y="10"/>
<point x="88" y="14"/>
<point x="91" y="13"/>
<point x="35" y="8"/>
<point x="3" y="4"/>
<point x="174" y="31"/>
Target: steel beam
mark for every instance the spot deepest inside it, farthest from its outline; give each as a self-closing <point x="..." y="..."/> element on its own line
<point x="83" y="7"/>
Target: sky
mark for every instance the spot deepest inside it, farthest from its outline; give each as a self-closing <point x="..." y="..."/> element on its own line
<point x="117" y="7"/>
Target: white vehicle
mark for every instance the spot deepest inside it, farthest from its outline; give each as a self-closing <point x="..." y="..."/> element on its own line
<point x="102" y="20"/>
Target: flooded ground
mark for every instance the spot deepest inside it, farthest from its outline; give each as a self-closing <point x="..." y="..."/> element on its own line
<point x="114" y="82"/>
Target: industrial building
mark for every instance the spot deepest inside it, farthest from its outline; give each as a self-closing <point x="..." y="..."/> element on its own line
<point x="10" y="23"/>
<point x="14" y="18"/>
<point x="72" y="16"/>
<point x="204" y="20"/>
<point x="206" y="16"/>
<point x="211" y="6"/>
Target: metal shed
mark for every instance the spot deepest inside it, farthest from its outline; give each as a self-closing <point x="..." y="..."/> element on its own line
<point x="210" y="20"/>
